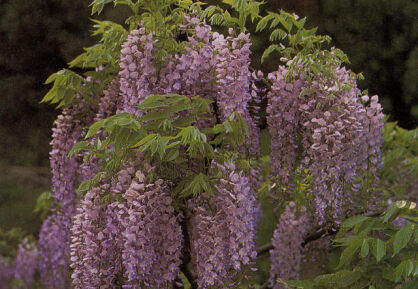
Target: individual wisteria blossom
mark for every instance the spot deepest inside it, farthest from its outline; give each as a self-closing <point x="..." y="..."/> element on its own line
<point x="287" y="253"/>
<point x="54" y="247"/>
<point x="224" y="229"/>
<point x="152" y="235"/>
<point x="26" y="263"/>
<point x="322" y="125"/>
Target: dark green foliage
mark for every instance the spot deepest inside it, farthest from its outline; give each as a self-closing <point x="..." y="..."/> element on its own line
<point x="400" y="162"/>
<point x="377" y="252"/>
<point x="9" y="241"/>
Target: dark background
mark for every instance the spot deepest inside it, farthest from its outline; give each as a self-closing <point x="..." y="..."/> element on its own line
<point x="39" y="37"/>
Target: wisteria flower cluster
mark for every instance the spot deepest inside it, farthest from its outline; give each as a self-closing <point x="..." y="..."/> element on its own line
<point x="324" y="126"/>
<point x="223" y="229"/>
<point x="158" y="214"/>
<point x="287" y="253"/>
<point x="20" y="271"/>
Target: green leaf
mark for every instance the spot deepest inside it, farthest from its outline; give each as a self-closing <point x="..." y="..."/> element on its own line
<point x="340" y="279"/>
<point x="402" y="237"/>
<point x="263" y="22"/>
<point x="44" y="204"/>
<point x="277" y="34"/>
<point x="351" y="222"/>
<point x="391" y="214"/>
<point x="94" y="128"/>
<point x="83" y="145"/>
<point x="98" y="5"/>
<point x="364" y="249"/>
<point x="379" y="249"/>
<point x="349" y="252"/>
<point x="145" y="141"/>
<point x="301" y="284"/>
<point x="404" y="270"/>
<point x="269" y="50"/>
<point x="195" y="186"/>
<point x="66" y="86"/>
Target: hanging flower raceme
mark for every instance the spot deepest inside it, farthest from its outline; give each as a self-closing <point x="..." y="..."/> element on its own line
<point x="287" y="253"/>
<point x="6" y="273"/>
<point x="138" y="74"/>
<point x="224" y="229"/>
<point x="67" y="132"/>
<point x="322" y="125"/>
<point x="54" y="237"/>
<point x="26" y="263"/>
<point x="234" y="82"/>
<point x="96" y="242"/>
<point x="54" y="247"/>
<point x="152" y="235"/>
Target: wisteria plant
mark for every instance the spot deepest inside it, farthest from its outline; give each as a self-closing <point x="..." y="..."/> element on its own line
<point x="158" y="171"/>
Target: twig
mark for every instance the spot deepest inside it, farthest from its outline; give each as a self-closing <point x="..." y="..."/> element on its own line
<point x="264" y="249"/>
<point x="317" y="234"/>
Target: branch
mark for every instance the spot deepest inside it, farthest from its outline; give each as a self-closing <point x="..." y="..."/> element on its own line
<point x="265" y="285"/>
<point x="317" y="234"/>
<point x="186" y="255"/>
<point x="264" y="249"/>
<point x="189" y="276"/>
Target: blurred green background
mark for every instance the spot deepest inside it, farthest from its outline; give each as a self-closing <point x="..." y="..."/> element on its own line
<point x="40" y="37"/>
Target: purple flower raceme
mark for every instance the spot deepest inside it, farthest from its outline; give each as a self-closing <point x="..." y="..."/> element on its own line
<point x="236" y="89"/>
<point x="55" y="234"/>
<point x="288" y="253"/>
<point x="224" y="229"/>
<point x="54" y="244"/>
<point x="6" y="273"/>
<point x="152" y="235"/>
<point x="26" y="263"/>
<point x="191" y="73"/>
<point x="323" y="125"/>
<point x="135" y="243"/>
<point x="96" y="241"/>
<point x="138" y="74"/>
<point x="67" y="132"/>
<point x="234" y="82"/>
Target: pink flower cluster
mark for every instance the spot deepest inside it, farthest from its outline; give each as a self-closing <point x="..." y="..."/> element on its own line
<point x="22" y="269"/>
<point x="224" y="230"/>
<point x="288" y="253"/>
<point x="323" y="125"/>
<point x="26" y="263"/>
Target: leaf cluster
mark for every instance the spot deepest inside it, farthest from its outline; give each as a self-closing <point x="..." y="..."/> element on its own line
<point x="293" y="41"/>
<point x="168" y="133"/>
<point x="376" y="253"/>
<point x="241" y="11"/>
<point x="9" y="241"/>
<point x="400" y="161"/>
